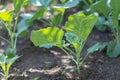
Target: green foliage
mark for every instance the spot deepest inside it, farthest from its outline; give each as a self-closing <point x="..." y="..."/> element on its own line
<point x="97" y="47"/>
<point x="10" y="52"/>
<point x="78" y="28"/>
<point x="71" y="37"/>
<point x="6" y="60"/>
<point x="45" y="2"/>
<point x="69" y="4"/>
<point x="22" y="28"/>
<point x="7" y="21"/>
<point x="6" y="16"/>
<point x="63" y="1"/>
<point x="40" y="2"/>
<point x="101" y="7"/>
<point x="56" y="21"/>
<point x="47" y="36"/>
<point x="35" y="2"/>
<point x="51" y="9"/>
<point x="102" y="24"/>
<point x="80" y="25"/>
<point x="39" y="14"/>
<point x="17" y="5"/>
<point x="25" y="3"/>
<point x="24" y="24"/>
<point x="110" y="10"/>
<point x="113" y="49"/>
<point x="115" y="11"/>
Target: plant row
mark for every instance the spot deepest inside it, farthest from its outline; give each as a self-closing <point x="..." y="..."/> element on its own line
<point x="69" y="37"/>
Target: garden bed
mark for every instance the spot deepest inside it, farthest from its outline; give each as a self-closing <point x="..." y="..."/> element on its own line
<point x="50" y="64"/>
<point x="38" y="63"/>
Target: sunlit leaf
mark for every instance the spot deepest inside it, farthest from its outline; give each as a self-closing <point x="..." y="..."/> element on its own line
<point x="63" y="1"/>
<point x="47" y="36"/>
<point x="25" y="3"/>
<point x="80" y="25"/>
<point x="6" y="16"/>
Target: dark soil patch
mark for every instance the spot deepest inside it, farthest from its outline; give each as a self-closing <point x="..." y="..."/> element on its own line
<point x="49" y="64"/>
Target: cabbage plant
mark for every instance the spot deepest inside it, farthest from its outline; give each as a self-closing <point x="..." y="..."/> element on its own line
<point x="9" y="21"/>
<point x="6" y="60"/>
<point x="110" y="12"/>
<point x="78" y="28"/>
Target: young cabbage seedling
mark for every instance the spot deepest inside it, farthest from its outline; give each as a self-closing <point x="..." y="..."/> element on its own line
<point x="6" y="19"/>
<point x="78" y="27"/>
<point x="6" y="60"/>
<point x="110" y="11"/>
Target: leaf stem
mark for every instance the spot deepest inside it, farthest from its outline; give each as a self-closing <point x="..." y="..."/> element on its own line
<point x="86" y="3"/>
<point x="4" y="39"/>
<point x="15" y="26"/>
<point x="45" y="22"/>
<point x="14" y="29"/>
<point x="70" y="56"/>
<point x="84" y="59"/>
<point x="69" y="50"/>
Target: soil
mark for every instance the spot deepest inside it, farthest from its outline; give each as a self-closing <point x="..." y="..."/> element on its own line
<point x="51" y="64"/>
